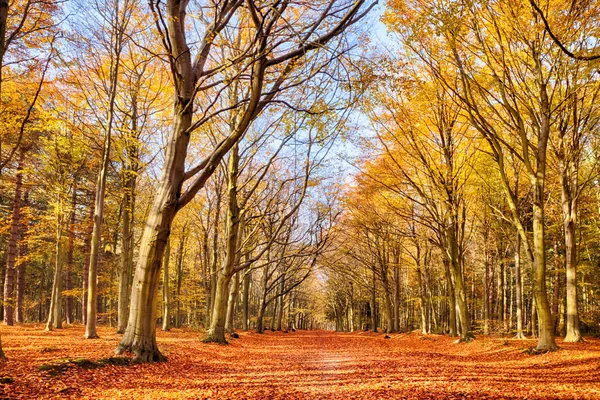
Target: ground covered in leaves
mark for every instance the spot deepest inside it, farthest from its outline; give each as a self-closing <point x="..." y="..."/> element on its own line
<point x="295" y="365"/>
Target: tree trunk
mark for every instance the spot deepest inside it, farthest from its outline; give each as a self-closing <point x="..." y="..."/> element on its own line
<point x="70" y="249"/>
<point x="457" y="284"/>
<point x="452" y="300"/>
<point x="261" y="313"/>
<point x="519" y="288"/>
<point x="351" y="309"/>
<point x="216" y="332"/>
<point x="545" y="322"/>
<point x="422" y="301"/>
<point x="233" y="292"/>
<point x="570" y="209"/>
<point x="180" y="251"/>
<point x="387" y="300"/>
<point x="21" y="268"/>
<point x="397" y="284"/>
<point x="166" y="324"/>
<point x="281" y="305"/>
<point x="92" y="300"/>
<point x="54" y="314"/>
<point x="140" y="335"/>
<point x="486" y="294"/>
<point x="245" y="301"/>
<point x="9" y="280"/>
<point x="126" y="251"/>
<point x="87" y="247"/>
<point x="374" y="302"/>
<point x="505" y="302"/>
<point x="556" y="289"/>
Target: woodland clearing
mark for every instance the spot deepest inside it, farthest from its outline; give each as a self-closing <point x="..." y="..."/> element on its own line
<point x="301" y="364"/>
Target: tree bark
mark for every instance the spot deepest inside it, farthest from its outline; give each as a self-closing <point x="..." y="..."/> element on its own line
<point x="374" y="302"/>
<point x="556" y="289"/>
<point x="422" y="301"/>
<point x="9" y="280"/>
<point x="166" y="325"/>
<point x="546" y="325"/>
<point x="519" y="288"/>
<point x="452" y="300"/>
<point x="21" y="269"/>
<point x="570" y="210"/>
<point x="87" y="246"/>
<point x="216" y="332"/>
<point x="92" y="298"/>
<point x="140" y="335"/>
<point x="245" y="301"/>
<point x="126" y="250"/>
<point x="179" y="264"/>
<point x="457" y="283"/>
<point x="54" y="314"/>
<point x="233" y="292"/>
<point x="281" y="305"/>
<point x="70" y="249"/>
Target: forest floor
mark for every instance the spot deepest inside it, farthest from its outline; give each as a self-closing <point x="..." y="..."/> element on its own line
<point x="298" y="365"/>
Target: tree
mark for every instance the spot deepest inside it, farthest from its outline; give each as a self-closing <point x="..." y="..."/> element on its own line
<point x="267" y="57"/>
<point x="117" y="18"/>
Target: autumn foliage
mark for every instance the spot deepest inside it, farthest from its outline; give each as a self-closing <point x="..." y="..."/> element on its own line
<point x="297" y="365"/>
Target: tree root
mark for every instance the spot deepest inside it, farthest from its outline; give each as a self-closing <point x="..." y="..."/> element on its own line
<point x="214" y="339"/>
<point x="141" y="354"/>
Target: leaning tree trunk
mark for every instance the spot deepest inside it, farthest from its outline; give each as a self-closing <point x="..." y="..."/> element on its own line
<point x="11" y="258"/>
<point x="140" y="335"/>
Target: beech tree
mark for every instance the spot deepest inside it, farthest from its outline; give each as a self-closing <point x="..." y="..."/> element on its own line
<point x="270" y="59"/>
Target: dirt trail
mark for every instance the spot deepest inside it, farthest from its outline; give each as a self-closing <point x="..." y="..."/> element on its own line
<point x="300" y="365"/>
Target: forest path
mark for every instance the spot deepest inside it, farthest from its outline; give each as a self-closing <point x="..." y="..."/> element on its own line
<point x="299" y="365"/>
